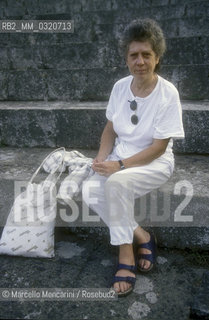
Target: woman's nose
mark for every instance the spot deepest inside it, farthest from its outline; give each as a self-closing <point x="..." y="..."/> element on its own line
<point x="140" y="60"/>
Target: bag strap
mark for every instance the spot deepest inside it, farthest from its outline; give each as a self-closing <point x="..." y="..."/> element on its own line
<point x="41" y="165"/>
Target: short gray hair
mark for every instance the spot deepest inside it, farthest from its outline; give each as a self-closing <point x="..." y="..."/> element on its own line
<point x="143" y="30"/>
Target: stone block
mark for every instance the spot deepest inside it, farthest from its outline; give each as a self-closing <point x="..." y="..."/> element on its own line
<point x="4" y="61"/>
<point x="170" y="73"/>
<point x="35" y="125"/>
<point x="26" y="85"/>
<point x="200" y="305"/>
<point x="4" y="39"/>
<point x="193" y="82"/>
<point x="32" y="8"/>
<point x="73" y="56"/>
<point x="161" y="3"/>
<point x="66" y="85"/>
<point x="76" y="130"/>
<point x="190" y="80"/>
<point x="197" y="9"/>
<point x="124" y="16"/>
<point x="184" y="2"/>
<point x="4" y="85"/>
<point x="188" y="9"/>
<point x="47" y="8"/>
<point x="99" y="83"/>
<point x="196" y="131"/>
<point x="2" y="8"/>
<point x="15" y="9"/>
<point x="47" y="39"/>
<point x="19" y="40"/>
<point x="160" y="13"/>
<point x="187" y="27"/>
<point x="78" y="84"/>
<point x="80" y="124"/>
<point x="192" y="27"/>
<point x="25" y="58"/>
<point x="192" y="50"/>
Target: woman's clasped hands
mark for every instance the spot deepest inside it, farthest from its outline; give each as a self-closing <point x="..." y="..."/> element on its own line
<point x="105" y="168"/>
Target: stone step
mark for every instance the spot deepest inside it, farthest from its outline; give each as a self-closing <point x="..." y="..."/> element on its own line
<point x="93" y="83"/>
<point x="84" y="84"/>
<point x="178" y="211"/>
<point x="84" y="65"/>
<point x="79" y="125"/>
<point x="63" y="85"/>
<point x="90" y="55"/>
<point x="188" y="19"/>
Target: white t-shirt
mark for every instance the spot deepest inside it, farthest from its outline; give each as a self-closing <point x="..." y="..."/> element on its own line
<point x="160" y="117"/>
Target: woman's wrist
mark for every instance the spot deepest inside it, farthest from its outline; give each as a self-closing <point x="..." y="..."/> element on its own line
<point x="121" y="164"/>
<point x="100" y="158"/>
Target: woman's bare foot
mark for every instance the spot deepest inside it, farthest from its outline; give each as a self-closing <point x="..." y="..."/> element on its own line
<point x="126" y="256"/>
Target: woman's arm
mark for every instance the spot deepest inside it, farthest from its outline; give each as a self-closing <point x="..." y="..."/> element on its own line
<point x="141" y="158"/>
<point x="106" y="143"/>
<point x="149" y="154"/>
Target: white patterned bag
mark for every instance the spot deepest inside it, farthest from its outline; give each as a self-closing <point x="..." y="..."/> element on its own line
<point x="29" y="230"/>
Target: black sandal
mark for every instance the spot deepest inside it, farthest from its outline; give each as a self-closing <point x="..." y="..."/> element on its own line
<point x="152" y="246"/>
<point x="129" y="279"/>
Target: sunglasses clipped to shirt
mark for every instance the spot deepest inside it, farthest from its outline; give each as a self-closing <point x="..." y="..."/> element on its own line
<point x="134" y="117"/>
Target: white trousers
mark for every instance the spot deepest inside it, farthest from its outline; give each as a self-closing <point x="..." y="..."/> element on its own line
<point x="113" y="197"/>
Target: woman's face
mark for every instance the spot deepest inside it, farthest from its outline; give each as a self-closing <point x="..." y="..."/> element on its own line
<point x="141" y="60"/>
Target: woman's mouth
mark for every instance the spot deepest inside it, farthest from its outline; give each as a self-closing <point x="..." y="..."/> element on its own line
<point x="140" y="71"/>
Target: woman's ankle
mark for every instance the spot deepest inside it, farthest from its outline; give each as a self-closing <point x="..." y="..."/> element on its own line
<point x="126" y="254"/>
<point x="141" y="235"/>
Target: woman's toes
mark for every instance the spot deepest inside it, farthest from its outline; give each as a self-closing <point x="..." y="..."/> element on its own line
<point x="144" y="264"/>
<point x="123" y="286"/>
<point x="116" y="287"/>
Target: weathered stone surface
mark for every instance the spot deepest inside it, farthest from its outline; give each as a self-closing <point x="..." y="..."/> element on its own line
<point x="193" y="81"/>
<point x="82" y="56"/>
<point x="189" y="80"/>
<point x="3" y="84"/>
<point x="86" y="270"/>
<point x="186" y="27"/>
<point x="24" y="58"/>
<point x="26" y="85"/>
<point x="200" y="306"/>
<point x="2" y="6"/>
<point x="196" y="131"/>
<point x="98" y="25"/>
<point x="4" y="61"/>
<point x="171" y="73"/>
<point x="90" y="55"/>
<point x="191" y="50"/>
<point x="79" y="125"/>
<point x="5" y="39"/>
<point x="15" y="8"/>
<point x="81" y="84"/>
<point x="66" y="84"/>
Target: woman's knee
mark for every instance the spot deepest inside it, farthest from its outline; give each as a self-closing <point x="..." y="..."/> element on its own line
<point x="91" y="189"/>
<point x="117" y="181"/>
